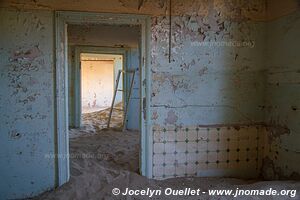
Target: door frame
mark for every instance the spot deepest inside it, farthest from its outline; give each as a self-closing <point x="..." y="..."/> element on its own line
<point x="62" y="19"/>
<point x="77" y="78"/>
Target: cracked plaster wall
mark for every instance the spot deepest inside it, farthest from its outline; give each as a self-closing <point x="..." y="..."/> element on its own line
<point x="207" y="104"/>
<point x="27" y="103"/>
<point x="211" y="86"/>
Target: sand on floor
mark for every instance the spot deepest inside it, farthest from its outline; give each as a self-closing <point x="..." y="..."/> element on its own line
<point x="94" y="122"/>
<point x="104" y="159"/>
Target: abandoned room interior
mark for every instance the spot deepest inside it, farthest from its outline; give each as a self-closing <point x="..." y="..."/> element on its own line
<point x="115" y="99"/>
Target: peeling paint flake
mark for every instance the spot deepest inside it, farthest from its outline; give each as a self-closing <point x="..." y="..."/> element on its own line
<point x="29" y="55"/>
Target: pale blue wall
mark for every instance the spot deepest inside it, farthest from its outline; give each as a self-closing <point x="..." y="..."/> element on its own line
<point x="133" y="117"/>
<point x="203" y="85"/>
<point x="207" y="85"/>
<point x="27" y="103"/>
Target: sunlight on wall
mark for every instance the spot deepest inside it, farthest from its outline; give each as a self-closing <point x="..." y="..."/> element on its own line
<point x="97" y="84"/>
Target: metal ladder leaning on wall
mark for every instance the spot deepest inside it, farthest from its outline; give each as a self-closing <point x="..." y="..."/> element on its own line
<point x="121" y="90"/>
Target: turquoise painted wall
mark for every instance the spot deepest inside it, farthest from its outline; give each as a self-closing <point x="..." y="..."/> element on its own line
<point x="27" y="142"/>
<point x="133" y="116"/>
<point x="208" y="81"/>
<point x="204" y="84"/>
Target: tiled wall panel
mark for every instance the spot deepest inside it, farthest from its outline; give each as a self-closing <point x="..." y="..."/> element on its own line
<point x="208" y="151"/>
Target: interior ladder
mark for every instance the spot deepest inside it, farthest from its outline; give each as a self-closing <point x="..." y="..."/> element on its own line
<point x="121" y="90"/>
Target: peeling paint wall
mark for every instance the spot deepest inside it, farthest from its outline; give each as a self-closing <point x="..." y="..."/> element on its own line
<point x="103" y="35"/>
<point x="209" y="81"/>
<point x="283" y="98"/>
<point x="27" y="103"/>
<point x="225" y="86"/>
<point x="215" y="80"/>
<point x="231" y="9"/>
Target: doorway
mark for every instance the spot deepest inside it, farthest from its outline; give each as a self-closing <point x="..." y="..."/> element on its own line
<point x="99" y="73"/>
<point x="124" y="58"/>
<point x="95" y="77"/>
<point x="98" y="96"/>
<point x="63" y="23"/>
<point x="98" y="80"/>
